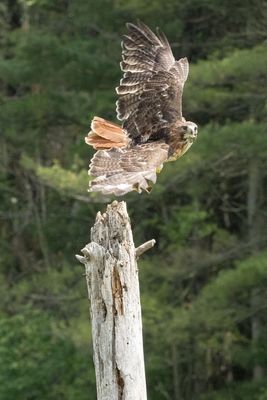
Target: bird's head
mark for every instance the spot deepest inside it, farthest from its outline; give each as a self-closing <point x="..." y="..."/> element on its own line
<point x="190" y="130"/>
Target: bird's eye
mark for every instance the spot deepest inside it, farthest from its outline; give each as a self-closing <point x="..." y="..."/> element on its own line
<point x="195" y="129"/>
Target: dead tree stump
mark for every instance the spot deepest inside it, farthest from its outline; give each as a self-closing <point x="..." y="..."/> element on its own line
<point x="113" y="289"/>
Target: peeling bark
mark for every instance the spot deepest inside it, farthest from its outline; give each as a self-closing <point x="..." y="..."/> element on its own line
<point x="113" y="289"/>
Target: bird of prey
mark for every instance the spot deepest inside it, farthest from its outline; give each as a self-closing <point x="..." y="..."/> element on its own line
<point x="149" y="105"/>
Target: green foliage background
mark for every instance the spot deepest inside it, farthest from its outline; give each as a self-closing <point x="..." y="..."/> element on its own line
<point x="203" y="287"/>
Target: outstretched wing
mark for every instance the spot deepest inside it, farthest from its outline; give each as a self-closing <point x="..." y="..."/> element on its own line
<point x="150" y="92"/>
<point x="120" y="171"/>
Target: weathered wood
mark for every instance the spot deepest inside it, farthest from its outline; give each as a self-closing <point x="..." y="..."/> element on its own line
<point x="113" y="289"/>
<point x="144" y="247"/>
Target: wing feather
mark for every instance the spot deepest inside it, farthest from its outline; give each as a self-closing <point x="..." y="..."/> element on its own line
<point x="120" y="171"/>
<point x="150" y="92"/>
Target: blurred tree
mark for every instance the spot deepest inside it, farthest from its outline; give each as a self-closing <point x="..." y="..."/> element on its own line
<point x="39" y="363"/>
<point x="203" y="286"/>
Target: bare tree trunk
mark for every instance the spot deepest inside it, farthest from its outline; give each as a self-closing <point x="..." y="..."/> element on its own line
<point x="175" y="372"/>
<point x="254" y="235"/>
<point x="113" y="288"/>
<point x="256" y="332"/>
<point x="252" y="203"/>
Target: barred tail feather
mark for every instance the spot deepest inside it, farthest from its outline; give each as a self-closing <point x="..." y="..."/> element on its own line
<point x="106" y="135"/>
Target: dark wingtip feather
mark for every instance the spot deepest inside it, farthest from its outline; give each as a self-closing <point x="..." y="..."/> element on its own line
<point x="130" y="25"/>
<point x="163" y="38"/>
<point x="142" y="29"/>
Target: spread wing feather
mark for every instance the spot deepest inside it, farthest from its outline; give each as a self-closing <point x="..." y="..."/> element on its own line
<point x="150" y="92"/>
<point x="120" y="171"/>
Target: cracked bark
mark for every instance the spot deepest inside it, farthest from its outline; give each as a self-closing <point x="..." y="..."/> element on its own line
<point x="113" y="290"/>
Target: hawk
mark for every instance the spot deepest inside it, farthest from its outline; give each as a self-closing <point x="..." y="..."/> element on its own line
<point x="149" y="105"/>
